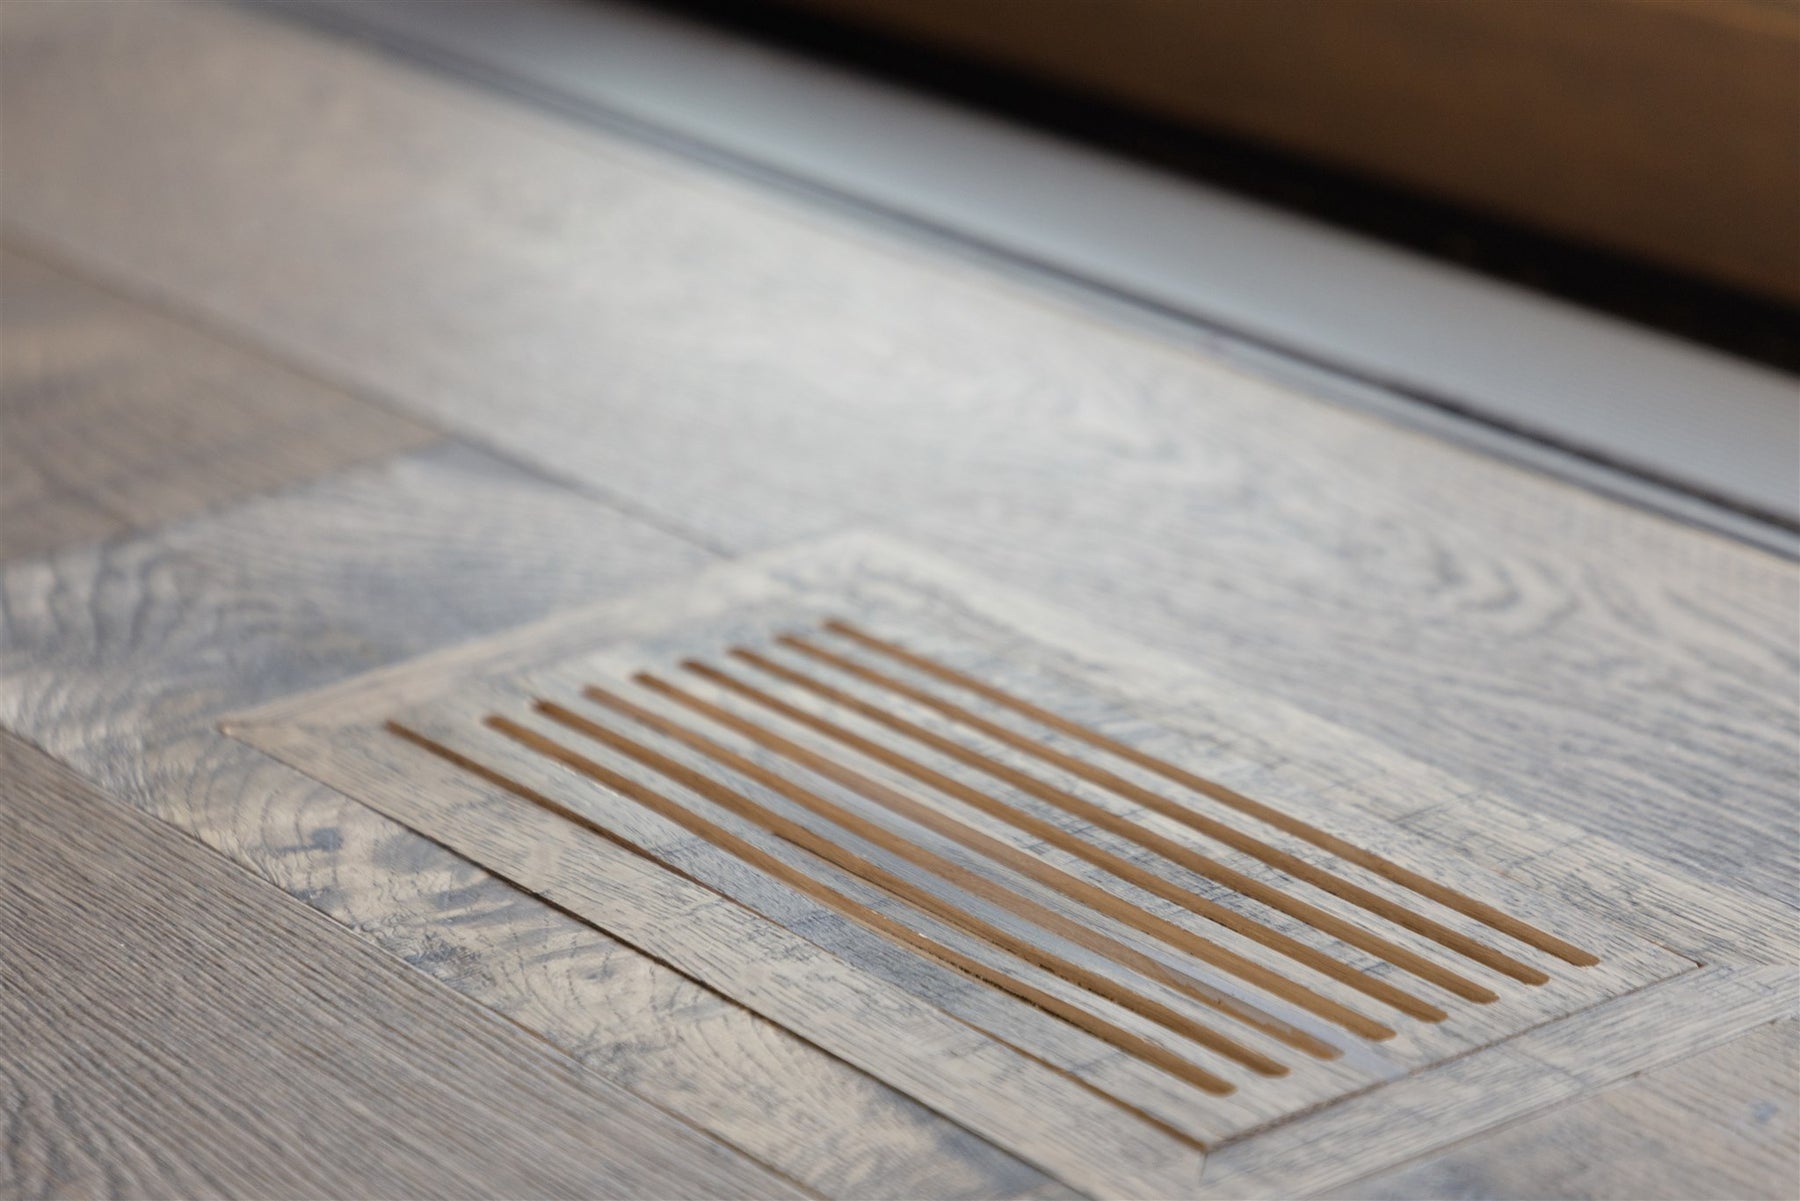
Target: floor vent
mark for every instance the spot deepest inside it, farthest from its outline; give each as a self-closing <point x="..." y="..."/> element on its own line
<point x="1108" y="915"/>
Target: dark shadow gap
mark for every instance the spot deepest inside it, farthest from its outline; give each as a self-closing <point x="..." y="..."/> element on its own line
<point x="1737" y="322"/>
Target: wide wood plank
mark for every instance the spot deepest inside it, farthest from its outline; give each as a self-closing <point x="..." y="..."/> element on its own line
<point x="114" y="417"/>
<point x="746" y="374"/>
<point x="171" y="1027"/>
<point x="1723" y="1123"/>
<point x="120" y="657"/>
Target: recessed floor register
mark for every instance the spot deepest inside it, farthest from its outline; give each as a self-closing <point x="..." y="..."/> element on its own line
<point x="1101" y="910"/>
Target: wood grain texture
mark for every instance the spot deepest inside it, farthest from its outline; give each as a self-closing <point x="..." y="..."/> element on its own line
<point x="746" y="374"/>
<point x="1722" y="1123"/>
<point x="1663" y="129"/>
<point x="172" y="1027"/>
<point x="1647" y="701"/>
<point x="124" y="643"/>
<point x="119" y="658"/>
<point x="1624" y="1038"/>
<point x="113" y="418"/>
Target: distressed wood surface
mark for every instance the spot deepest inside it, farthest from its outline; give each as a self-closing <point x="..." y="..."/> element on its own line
<point x="172" y="1027"/>
<point x="114" y="418"/>
<point x="126" y="642"/>
<point x="1595" y="703"/>
<point x="753" y="374"/>
<point x="1721" y="1123"/>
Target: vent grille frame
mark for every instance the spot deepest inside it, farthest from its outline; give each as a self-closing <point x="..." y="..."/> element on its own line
<point x="1179" y="1053"/>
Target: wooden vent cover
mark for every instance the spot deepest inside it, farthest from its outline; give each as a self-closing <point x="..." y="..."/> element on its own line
<point x="1100" y="909"/>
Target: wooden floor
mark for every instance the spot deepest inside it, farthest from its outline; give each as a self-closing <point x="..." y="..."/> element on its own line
<point x="312" y="363"/>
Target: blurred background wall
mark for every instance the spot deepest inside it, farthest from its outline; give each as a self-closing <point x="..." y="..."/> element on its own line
<point x="1668" y="129"/>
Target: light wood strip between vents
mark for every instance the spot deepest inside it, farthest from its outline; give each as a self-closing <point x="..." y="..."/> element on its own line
<point x="1121" y="868"/>
<point x="460" y="721"/>
<point x="1413" y="1043"/>
<point x="857" y="823"/>
<point x="836" y="901"/>
<point x="1450" y="898"/>
<point x="1247" y="844"/>
<point x="1031" y="866"/>
<point x="1319" y="919"/>
<point x="1470" y="1025"/>
<point x="1105" y="1073"/>
<point x="918" y="898"/>
<point x="1037" y="1109"/>
<point x="962" y="877"/>
<point x="1284" y="781"/>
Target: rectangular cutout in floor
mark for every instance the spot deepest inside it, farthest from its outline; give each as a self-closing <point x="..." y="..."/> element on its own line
<point x="1099" y="908"/>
